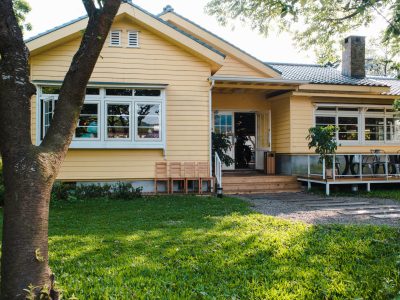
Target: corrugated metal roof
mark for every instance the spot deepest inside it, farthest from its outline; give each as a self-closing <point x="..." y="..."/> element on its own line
<point x="319" y="74"/>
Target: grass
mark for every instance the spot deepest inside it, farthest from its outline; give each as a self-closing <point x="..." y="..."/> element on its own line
<point x="207" y="248"/>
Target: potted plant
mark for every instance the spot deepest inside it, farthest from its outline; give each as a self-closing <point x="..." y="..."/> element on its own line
<point x="323" y="139"/>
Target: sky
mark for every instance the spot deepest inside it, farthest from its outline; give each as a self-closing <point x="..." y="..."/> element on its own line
<point x="47" y="14"/>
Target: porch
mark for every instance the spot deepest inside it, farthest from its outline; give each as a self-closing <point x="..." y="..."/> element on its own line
<point x="376" y="167"/>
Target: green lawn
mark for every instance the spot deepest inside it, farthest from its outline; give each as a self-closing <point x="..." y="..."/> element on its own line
<point x="207" y="248"/>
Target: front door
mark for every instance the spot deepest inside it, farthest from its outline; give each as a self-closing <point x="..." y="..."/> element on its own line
<point x="223" y="123"/>
<point x="245" y="140"/>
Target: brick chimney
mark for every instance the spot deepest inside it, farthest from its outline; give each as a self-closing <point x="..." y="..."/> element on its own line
<point x="353" y="58"/>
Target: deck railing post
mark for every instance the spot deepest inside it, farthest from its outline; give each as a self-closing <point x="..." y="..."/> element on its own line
<point x="308" y="165"/>
<point x="360" y="166"/>
<point x="323" y="169"/>
<point x="334" y="167"/>
<point x="386" y="167"/>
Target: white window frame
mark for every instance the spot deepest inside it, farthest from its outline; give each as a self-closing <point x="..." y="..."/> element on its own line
<point x="144" y="102"/>
<point x="110" y="102"/>
<point x="113" y="31"/>
<point x="137" y="39"/>
<point x="361" y="114"/>
<point x="98" y="122"/>
<point x="102" y="99"/>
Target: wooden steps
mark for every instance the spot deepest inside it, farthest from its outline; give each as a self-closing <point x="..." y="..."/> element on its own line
<point x="260" y="184"/>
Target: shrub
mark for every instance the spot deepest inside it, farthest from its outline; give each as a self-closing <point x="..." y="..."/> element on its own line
<point x="2" y="190"/>
<point x="71" y="192"/>
<point x="125" y="191"/>
<point x="91" y="191"/>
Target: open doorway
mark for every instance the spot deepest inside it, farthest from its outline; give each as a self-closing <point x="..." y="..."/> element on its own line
<point x="245" y="140"/>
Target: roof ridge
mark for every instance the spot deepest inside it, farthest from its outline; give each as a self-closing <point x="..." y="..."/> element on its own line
<point x="171" y="10"/>
<point x="294" y="64"/>
<point x="55" y="28"/>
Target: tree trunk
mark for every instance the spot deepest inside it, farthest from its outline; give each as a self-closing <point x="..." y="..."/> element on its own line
<point x="29" y="171"/>
<point x="25" y="267"/>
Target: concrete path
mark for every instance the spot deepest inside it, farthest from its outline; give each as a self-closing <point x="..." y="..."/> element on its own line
<point x="317" y="209"/>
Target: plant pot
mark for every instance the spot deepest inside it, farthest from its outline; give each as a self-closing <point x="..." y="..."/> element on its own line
<point x="328" y="173"/>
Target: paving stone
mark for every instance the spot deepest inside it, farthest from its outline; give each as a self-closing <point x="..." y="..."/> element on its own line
<point x="336" y="204"/>
<point x="369" y="211"/>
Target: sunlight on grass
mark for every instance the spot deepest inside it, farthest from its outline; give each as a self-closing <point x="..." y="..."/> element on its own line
<point x="207" y="248"/>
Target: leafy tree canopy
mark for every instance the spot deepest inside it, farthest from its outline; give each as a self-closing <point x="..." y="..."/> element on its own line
<point x="317" y="25"/>
<point x="21" y="9"/>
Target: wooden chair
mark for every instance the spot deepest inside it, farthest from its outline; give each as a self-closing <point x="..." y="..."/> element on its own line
<point x="190" y="175"/>
<point x="203" y="172"/>
<point x="161" y="175"/>
<point x="175" y="174"/>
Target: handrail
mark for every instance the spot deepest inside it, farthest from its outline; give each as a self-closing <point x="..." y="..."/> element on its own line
<point x="218" y="170"/>
<point x="391" y="168"/>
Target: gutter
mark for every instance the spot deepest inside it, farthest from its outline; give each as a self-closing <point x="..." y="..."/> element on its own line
<point x="210" y="121"/>
<point x="257" y="80"/>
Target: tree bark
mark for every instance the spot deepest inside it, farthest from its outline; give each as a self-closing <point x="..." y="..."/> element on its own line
<point x="30" y="171"/>
<point x="24" y="267"/>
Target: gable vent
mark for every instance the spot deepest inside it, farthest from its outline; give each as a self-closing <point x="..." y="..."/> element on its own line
<point x="115" y="38"/>
<point x="133" y="39"/>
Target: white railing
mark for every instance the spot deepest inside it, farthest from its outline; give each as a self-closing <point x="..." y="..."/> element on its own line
<point x="350" y="165"/>
<point x="218" y="171"/>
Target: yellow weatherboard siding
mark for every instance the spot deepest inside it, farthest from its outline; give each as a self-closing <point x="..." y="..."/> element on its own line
<point x="281" y="134"/>
<point x="235" y="56"/>
<point x="240" y="102"/>
<point x="233" y="67"/>
<point x="302" y="118"/>
<point x="156" y="61"/>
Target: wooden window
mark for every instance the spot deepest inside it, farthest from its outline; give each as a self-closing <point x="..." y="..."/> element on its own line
<point x="133" y="39"/>
<point x="115" y="38"/>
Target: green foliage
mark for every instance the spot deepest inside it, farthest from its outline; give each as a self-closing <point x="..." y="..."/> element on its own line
<point x="2" y="189"/>
<point x="71" y="192"/>
<point x="396" y="105"/>
<point x="322" y="138"/>
<point x="21" y="9"/>
<point x="221" y="144"/>
<point x="206" y="248"/>
<point x="318" y="25"/>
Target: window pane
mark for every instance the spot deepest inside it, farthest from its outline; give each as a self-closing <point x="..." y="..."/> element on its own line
<point x="148" y="121"/>
<point x="325" y="121"/>
<point x="92" y="91"/>
<point x="119" y="92"/>
<point x="348" y="109"/>
<point x="348" y="128"/>
<point x="148" y="93"/>
<point x="374" y="129"/>
<point x="392" y="129"/>
<point x="118" y="121"/>
<point x="330" y="108"/>
<point x="51" y="90"/>
<point x="88" y="122"/>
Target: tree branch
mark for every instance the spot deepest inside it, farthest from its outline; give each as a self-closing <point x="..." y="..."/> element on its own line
<point x="73" y="89"/>
<point x="90" y="7"/>
<point x="14" y="81"/>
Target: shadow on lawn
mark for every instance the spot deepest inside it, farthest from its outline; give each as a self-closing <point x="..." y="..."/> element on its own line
<point x="190" y="247"/>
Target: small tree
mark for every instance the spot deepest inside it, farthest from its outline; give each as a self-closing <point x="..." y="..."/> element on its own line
<point x="324" y="142"/>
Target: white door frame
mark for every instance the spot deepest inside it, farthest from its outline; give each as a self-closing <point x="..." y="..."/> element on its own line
<point x="233" y="111"/>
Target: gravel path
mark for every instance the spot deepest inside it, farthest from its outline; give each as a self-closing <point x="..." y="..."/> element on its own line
<point x="315" y="209"/>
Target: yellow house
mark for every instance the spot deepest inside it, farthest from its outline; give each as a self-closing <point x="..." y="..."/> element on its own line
<point x="162" y="84"/>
